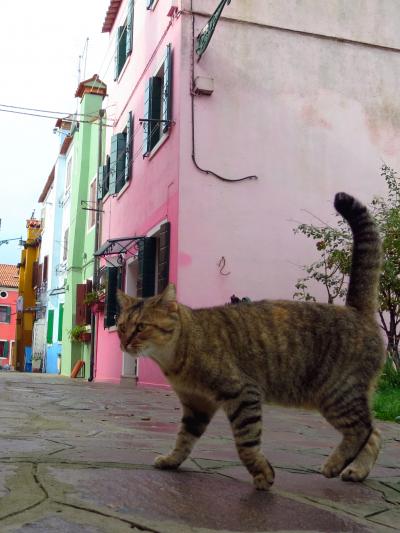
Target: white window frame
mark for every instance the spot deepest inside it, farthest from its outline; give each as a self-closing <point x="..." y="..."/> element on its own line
<point x="92" y="204"/>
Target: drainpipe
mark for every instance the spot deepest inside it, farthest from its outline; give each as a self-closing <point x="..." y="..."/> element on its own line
<point x="93" y="319"/>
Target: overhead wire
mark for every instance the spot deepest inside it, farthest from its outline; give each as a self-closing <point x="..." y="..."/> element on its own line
<point x="46" y="110"/>
<point x="95" y="118"/>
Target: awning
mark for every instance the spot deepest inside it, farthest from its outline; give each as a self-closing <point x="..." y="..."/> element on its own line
<point x="119" y="247"/>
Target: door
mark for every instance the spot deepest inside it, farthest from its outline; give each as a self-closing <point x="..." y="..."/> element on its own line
<point x="129" y="364"/>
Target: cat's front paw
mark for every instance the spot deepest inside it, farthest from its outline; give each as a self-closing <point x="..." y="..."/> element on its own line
<point x="263" y="481"/>
<point x="166" y="462"/>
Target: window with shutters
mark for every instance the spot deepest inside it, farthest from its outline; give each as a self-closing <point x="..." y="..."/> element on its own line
<point x="153" y="263"/>
<point x="60" y="322"/>
<point x="50" y="324"/>
<point x="157" y="105"/>
<point x="5" y="314"/>
<point x="121" y="158"/>
<point x="4" y="349"/>
<point x="113" y="282"/>
<point x="103" y="181"/>
<point x="45" y="268"/>
<point x="65" y="245"/>
<point x="151" y="4"/>
<point x="82" y="312"/>
<point x="35" y="274"/>
<point x="123" y="46"/>
<point x="68" y="175"/>
<point x="92" y="204"/>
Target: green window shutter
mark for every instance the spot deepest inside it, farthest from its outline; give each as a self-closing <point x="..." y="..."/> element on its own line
<point x="8" y="314"/>
<point x="114" y="281"/>
<point x="129" y="27"/>
<point x="6" y="348"/>
<point x="100" y="183"/>
<point x="146" y="115"/>
<point x="117" y="162"/>
<point x="122" y="49"/>
<point x="147" y="267"/>
<point x="117" y="53"/>
<point x="163" y="257"/>
<point x="167" y="89"/>
<point x="121" y="159"/>
<point x="129" y="148"/>
<point x="60" y="321"/>
<point x="50" y="323"/>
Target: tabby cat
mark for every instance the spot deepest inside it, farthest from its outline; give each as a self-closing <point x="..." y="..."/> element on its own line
<point x="308" y="355"/>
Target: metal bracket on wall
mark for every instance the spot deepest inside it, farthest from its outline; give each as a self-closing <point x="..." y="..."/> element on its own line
<point x="88" y="202"/>
<point x="204" y="37"/>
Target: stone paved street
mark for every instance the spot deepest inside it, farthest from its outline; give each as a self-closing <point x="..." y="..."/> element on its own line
<point x="77" y="457"/>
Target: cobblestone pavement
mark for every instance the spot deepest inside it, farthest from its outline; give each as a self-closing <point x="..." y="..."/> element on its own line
<point x="77" y="457"/>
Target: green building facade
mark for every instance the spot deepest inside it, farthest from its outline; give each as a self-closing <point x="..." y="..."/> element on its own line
<point x="81" y="233"/>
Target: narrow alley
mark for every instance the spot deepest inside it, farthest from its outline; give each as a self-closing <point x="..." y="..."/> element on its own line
<point x="77" y="457"/>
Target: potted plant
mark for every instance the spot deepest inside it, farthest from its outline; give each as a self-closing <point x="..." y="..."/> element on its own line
<point x="79" y="334"/>
<point x="95" y="299"/>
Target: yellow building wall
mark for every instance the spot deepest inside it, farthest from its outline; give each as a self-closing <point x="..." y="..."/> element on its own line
<point x="26" y="292"/>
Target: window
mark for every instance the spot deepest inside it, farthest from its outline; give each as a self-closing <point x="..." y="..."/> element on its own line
<point x="65" y="250"/>
<point x="103" y="180"/>
<point x="82" y="311"/>
<point x="157" y="104"/>
<point x="50" y="323"/>
<point x="45" y="268"/>
<point x="153" y="263"/>
<point x="4" y="349"/>
<point x="113" y="282"/>
<point x="121" y="158"/>
<point x="92" y="205"/>
<point x="60" y="322"/>
<point x="3" y="294"/>
<point x="68" y="174"/>
<point x="5" y="314"/>
<point x="123" y="47"/>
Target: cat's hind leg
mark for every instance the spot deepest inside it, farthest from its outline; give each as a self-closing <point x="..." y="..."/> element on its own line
<point x="244" y="414"/>
<point x="194" y="422"/>
<point x="351" y="416"/>
<point x="361" y="466"/>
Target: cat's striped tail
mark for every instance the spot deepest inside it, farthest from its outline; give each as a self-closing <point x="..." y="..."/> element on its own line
<point x="367" y="254"/>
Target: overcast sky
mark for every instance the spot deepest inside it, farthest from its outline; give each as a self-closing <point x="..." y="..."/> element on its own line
<point x="40" y="45"/>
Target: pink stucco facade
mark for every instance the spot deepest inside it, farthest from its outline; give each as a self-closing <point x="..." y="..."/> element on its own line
<point x="304" y="97"/>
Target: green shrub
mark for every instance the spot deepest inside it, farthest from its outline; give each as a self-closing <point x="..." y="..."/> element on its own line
<point x="390" y="378"/>
<point x="386" y="402"/>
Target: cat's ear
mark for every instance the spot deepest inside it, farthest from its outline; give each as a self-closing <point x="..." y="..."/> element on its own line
<point x="123" y="299"/>
<point x="168" y="297"/>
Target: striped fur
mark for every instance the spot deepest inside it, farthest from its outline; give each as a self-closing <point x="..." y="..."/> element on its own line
<point x="236" y="357"/>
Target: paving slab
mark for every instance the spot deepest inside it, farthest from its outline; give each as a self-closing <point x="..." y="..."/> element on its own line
<point x="77" y="457"/>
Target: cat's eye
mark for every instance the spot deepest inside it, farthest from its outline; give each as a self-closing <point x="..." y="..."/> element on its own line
<point x="140" y="327"/>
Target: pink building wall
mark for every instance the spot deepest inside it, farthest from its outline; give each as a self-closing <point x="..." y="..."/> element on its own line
<point x="152" y="194"/>
<point x="304" y="97"/>
<point x="308" y="114"/>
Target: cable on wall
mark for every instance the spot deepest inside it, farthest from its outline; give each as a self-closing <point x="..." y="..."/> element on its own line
<point x="205" y="171"/>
